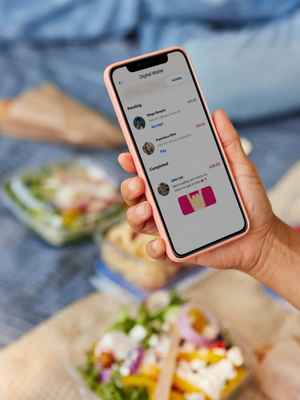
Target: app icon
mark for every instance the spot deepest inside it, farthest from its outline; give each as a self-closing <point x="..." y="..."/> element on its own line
<point x="197" y="200"/>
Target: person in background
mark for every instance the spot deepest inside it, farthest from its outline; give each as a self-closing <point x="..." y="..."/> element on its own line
<point x="270" y="252"/>
<point x="246" y="52"/>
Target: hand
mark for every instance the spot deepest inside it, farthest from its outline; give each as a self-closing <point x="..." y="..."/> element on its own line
<point x="246" y="254"/>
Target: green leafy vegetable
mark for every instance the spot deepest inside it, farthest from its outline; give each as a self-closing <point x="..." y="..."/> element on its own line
<point x="90" y="373"/>
<point x="114" y="390"/>
<point x="151" y="321"/>
<point x="124" y="323"/>
<point x="136" y="393"/>
<point x="110" y="391"/>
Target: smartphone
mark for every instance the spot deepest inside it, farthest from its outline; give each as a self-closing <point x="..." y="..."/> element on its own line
<point x="176" y="150"/>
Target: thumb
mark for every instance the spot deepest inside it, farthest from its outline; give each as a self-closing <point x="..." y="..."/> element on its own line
<point x="229" y="137"/>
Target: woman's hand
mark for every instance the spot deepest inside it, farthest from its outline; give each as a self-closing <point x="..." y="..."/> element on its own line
<point x="246" y="254"/>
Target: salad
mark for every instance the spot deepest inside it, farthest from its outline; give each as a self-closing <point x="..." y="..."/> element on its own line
<point x="63" y="201"/>
<point x="134" y="357"/>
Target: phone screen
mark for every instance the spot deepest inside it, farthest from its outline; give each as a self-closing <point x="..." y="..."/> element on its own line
<point x="177" y="147"/>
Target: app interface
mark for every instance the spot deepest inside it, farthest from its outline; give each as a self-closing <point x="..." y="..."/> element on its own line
<point x="183" y="163"/>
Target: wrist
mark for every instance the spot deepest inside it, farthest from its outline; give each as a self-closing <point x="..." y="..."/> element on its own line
<point x="273" y="240"/>
<point x="278" y="266"/>
<point x="280" y="252"/>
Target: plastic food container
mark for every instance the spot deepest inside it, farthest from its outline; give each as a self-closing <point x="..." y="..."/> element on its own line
<point x="125" y="362"/>
<point x="64" y="201"/>
<point x="124" y="252"/>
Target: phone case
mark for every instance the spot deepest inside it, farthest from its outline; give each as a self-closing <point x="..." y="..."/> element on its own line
<point x="121" y="119"/>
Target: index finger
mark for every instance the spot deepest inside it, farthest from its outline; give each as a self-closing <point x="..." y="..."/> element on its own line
<point x="126" y="162"/>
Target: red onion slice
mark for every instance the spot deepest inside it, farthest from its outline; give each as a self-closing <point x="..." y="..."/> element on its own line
<point x="189" y="333"/>
<point x="106" y="374"/>
<point x="136" y="360"/>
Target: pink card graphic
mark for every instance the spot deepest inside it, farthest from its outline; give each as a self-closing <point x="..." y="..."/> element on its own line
<point x="208" y="196"/>
<point x="197" y="200"/>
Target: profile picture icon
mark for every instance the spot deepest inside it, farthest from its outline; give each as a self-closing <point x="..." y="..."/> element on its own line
<point x="163" y="189"/>
<point x="139" y="123"/>
<point x="148" y="148"/>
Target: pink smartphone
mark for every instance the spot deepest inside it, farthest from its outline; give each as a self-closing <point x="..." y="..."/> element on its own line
<point x="176" y="150"/>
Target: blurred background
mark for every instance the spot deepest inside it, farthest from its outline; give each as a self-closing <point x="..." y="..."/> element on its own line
<point x="52" y="56"/>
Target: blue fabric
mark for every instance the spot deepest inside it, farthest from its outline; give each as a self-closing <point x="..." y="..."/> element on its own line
<point x="36" y="280"/>
<point x="66" y="19"/>
<point x="246" y="52"/>
<point x="86" y="19"/>
<point x="222" y="11"/>
<point x="251" y="73"/>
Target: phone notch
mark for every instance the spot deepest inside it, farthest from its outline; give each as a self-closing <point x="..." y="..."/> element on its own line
<point x="147" y="62"/>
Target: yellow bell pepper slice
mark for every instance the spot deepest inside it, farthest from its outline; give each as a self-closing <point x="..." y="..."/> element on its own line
<point x="208" y="356"/>
<point x="199" y="321"/>
<point x="70" y="216"/>
<point x="139" y="380"/>
<point x="186" y="387"/>
<point x="176" y="395"/>
<point x="151" y="371"/>
<point x="149" y="384"/>
<point x="241" y="374"/>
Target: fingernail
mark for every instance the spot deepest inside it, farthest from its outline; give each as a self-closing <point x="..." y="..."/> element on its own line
<point x="152" y="246"/>
<point x="141" y="210"/>
<point x="132" y="185"/>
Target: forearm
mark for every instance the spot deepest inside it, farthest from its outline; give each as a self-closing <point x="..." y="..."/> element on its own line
<point x="279" y="264"/>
